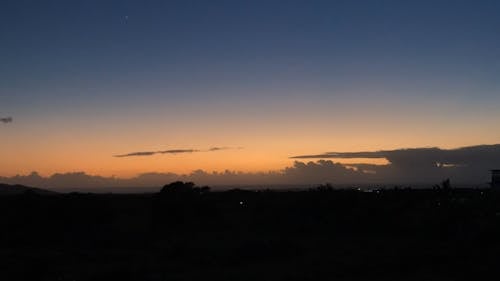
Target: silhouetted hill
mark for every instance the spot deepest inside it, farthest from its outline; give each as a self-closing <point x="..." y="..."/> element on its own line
<point x="7" y="189"/>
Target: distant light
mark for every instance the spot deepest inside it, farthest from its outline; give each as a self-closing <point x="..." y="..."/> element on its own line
<point x="241" y="202"/>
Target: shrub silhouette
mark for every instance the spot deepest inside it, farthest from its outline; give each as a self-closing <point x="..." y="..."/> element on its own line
<point x="179" y="187"/>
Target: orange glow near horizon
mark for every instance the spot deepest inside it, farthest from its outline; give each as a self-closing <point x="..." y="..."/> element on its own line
<point x="268" y="138"/>
<point x="96" y="158"/>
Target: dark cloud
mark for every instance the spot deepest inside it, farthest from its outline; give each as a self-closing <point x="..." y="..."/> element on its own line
<point x="171" y="151"/>
<point x="149" y="153"/>
<point x="466" y="164"/>
<point x="177" y="151"/>
<point x="360" y="154"/>
<point x="140" y="153"/>
<point x="464" y="156"/>
<point x="223" y="148"/>
<point x="6" y="120"/>
<point x="217" y="148"/>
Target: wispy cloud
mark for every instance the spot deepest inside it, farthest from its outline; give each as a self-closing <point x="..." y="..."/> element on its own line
<point x="139" y="153"/>
<point x="177" y="151"/>
<point x="464" y="154"/>
<point x="150" y="153"/>
<point x="216" y="148"/>
<point x="173" y="151"/>
<point x="361" y="154"/>
<point x="6" y="120"/>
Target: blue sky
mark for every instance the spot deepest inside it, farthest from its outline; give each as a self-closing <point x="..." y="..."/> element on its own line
<point x="86" y="65"/>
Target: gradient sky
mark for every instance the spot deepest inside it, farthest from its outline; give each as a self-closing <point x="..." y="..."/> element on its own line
<point x="86" y="80"/>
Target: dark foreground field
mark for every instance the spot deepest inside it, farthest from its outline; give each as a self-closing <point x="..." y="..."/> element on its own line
<point x="192" y="234"/>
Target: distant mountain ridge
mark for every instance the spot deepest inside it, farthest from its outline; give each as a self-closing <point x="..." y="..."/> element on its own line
<point x="8" y="189"/>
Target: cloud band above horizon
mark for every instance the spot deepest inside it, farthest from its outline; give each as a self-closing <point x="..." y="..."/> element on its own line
<point x="172" y="151"/>
<point x="430" y="155"/>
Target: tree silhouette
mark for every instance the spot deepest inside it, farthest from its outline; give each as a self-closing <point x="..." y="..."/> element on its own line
<point x="179" y="187"/>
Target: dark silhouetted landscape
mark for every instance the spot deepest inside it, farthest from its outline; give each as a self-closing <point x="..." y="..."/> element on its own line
<point x="185" y="232"/>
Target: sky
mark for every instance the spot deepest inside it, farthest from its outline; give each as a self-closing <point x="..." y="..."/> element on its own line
<point x="240" y="85"/>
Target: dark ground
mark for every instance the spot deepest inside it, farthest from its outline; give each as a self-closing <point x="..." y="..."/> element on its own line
<point x="187" y="233"/>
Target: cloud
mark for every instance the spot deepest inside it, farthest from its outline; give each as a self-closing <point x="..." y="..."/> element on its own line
<point x="416" y="167"/>
<point x="431" y="156"/>
<point x="223" y="148"/>
<point x="6" y="120"/>
<point x="150" y="153"/>
<point x="140" y="153"/>
<point x="177" y="151"/>
<point x="172" y="151"/>
<point x="217" y="148"/>
<point x="465" y="164"/>
<point x="367" y="154"/>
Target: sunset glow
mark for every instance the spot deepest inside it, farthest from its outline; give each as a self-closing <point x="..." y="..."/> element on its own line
<point x="84" y="85"/>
